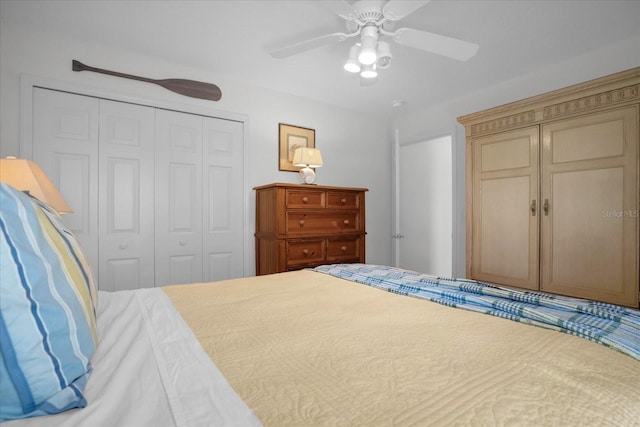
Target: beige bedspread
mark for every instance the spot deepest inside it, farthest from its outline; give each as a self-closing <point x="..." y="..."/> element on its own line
<point x="304" y="348"/>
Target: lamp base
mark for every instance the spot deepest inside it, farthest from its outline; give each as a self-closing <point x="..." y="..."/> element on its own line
<point x="308" y="175"/>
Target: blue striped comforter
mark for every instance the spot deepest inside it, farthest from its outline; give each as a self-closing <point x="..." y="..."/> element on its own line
<point x="607" y="324"/>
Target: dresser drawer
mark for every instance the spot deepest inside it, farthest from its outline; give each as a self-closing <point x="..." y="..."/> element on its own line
<point x="343" y="248"/>
<point x="342" y="200"/>
<point x="304" y="199"/>
<point x="323" y="223"/>
<point x="305" y="251"/>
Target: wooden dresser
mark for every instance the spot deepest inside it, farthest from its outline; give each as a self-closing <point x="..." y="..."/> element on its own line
<point x="300" y="226"/>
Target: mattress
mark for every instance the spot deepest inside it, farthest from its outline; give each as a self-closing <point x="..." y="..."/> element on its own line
<point x="307" y="348"/>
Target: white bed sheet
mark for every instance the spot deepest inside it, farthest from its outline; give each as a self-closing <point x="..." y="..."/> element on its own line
<point x="150" y="370"/>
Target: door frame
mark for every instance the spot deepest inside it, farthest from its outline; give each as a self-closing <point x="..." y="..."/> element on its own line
<point x="29" y="81"/>
<point x="458" y="228"/>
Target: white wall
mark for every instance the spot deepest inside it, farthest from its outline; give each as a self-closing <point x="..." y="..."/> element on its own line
<point x="440" y="119"/>
<point x="352" y="144"/>
<point x="355" y="147"/>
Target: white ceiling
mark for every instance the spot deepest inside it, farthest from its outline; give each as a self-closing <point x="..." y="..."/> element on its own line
<point x="231" y="39"/>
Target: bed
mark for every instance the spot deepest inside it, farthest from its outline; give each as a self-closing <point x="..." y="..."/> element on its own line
<point x="344" y="344"/>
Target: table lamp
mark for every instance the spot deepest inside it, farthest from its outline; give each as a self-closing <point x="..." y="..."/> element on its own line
<point x="307" y="158"/>
<point x="27" y="176"/>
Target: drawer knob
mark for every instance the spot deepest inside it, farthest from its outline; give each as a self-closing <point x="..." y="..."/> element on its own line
<point x="183" y="242"/>
<point x="305" y="200"/>
<point x="343" y="201"/>
<point x="346" y="222"/>
<point x="343" y="248"/>
<point x="301" y="222"/>
<point x="305" y="252"/>
<point x="123" y="245"/>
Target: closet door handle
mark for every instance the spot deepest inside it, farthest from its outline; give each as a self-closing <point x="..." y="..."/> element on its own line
<point x="533" y="208"/>
<point x="545" y="207"/>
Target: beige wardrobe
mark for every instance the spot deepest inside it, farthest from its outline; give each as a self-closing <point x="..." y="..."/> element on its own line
<point x="552" y="191"/>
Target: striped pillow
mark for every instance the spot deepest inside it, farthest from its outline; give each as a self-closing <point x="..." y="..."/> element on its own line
<point x="48" y="327"/>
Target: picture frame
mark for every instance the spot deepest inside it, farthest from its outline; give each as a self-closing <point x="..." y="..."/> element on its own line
<point x="292" y="137"/>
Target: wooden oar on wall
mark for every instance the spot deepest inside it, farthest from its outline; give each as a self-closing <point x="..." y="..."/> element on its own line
<point x="185" y="87"/>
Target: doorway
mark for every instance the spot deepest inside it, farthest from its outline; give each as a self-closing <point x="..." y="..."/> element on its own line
<point x="424" y="206"/>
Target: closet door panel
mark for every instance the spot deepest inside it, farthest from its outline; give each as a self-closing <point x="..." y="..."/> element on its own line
<point x="71" y="173"/>
<point x="126" y="215"/>
<point x="586" y="246"/>
<point x="590" y="232"/>
<point x="65" y="145"/>
<point x="505" y="226"/>
<point x="178" y="191"/>
<point x="222" y="199"/>
<point x="504" y="255"/>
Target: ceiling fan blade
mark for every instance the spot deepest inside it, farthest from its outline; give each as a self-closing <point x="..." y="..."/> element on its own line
<point x="341" y="8"/>
<point x="313" y="43"/>
<point x="395" y="10"/>
<point x="436" y="43"/>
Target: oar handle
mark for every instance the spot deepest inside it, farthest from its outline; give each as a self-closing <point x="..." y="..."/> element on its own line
<point x="79" y="66"/>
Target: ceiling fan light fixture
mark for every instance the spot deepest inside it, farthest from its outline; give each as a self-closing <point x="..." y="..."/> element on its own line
<point x="369" y="71"/>
<point x="384" y="54"/>
<point x="367" y="56"/>
<point x="369" y="39"/>
<point x="352" y="65"/>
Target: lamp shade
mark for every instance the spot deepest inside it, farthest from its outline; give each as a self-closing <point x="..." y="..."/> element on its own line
<point x="352" y="65"/>
<point x="310" y="157"/>
<point x="307" y="158"/>
<point x="27" y="176"/>
<point x="369" y="71"/>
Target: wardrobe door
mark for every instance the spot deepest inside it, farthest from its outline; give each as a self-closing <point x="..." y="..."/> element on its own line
<point x="505" y="208"/>
<point x="125" y="208"/>
<point x="65" y="145"/>
<point x="178" y="198"/>
<point x="222" y="199"/>
<point x="590" y="207"/>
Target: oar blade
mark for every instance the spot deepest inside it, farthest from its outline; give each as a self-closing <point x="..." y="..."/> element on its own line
<point x="192" y="88"/>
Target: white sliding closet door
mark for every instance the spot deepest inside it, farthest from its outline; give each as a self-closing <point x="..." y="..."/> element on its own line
<point x="222" y="199"/>
<point x="125" y="214"/>
<point x="199" y="175"/>
<point x="157" y="194"/>
<point x="65" y="145"/>
<point x="178" y="201"/>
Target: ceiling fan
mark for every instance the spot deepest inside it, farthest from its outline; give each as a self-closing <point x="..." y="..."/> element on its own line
<point x="374" y="21"/>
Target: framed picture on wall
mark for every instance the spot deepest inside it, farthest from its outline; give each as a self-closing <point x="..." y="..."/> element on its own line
<point x="292" y="137"/>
